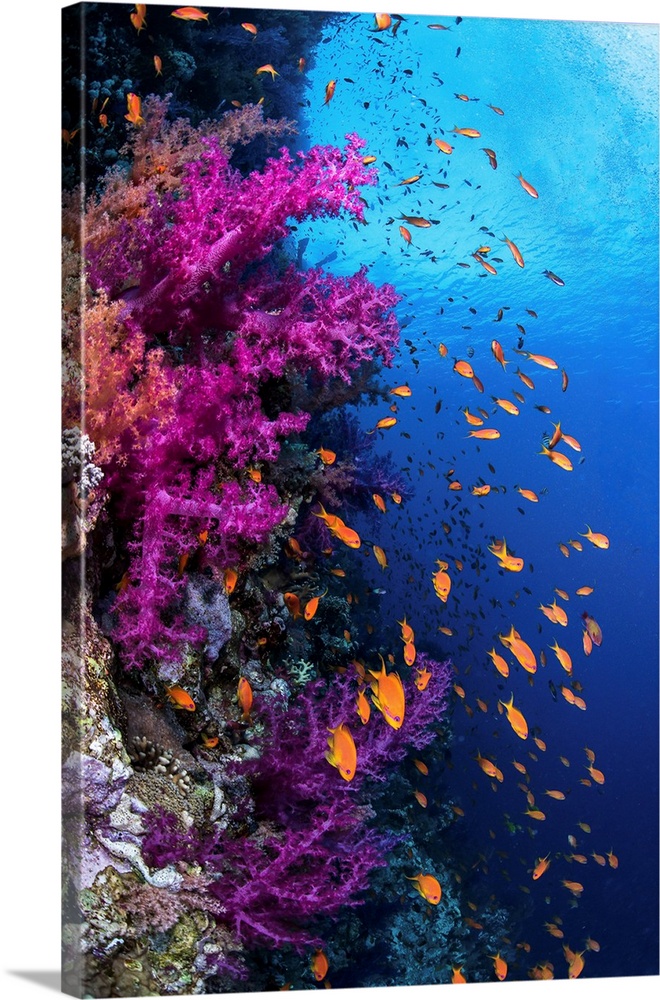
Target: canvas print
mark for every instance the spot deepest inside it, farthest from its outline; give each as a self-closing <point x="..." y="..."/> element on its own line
<point x="359" y="499"/>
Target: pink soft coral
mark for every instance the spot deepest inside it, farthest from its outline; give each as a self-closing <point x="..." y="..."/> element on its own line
<point x="235" y="349"/>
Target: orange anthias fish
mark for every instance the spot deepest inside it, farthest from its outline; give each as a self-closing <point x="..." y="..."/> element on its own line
<point x="230" y="577"/>
<point x="485" y="434"/>
<point x="427" y="886"/>
<point x="443" y="146"/>
<point x="340" y="530"/>
<point x="319" y="965"/>
<point x="378" y="500"/>
<point x="512" y="563"/>
<point x="267" y="68"/>
<point x="407" y="633"/>
<point x="520" y="650"/>
<point x="190" y="14"/>
<point x="554" y="613"/>
<point x="347" y="535"/>
<point x="471" y="418"/>
<point x="362" y="707"/>
<point x="292" y="602"/>
<point x="134" y="109"/>
<point x="137" y="22"/>
<point x="596" y="774"/>
<point x="464" y="368"/>
<point x="525" y="379"/>
<point x="388" y="695"/>
<point x="558" y="458"/>
<point x="517" y="256"/>
<point x="542" y="865"/>
<point x="563" y="657"/>
<point x="342" y="753"/>
<point x="488" y="767"/>
<point x="597" y="539"/>
<point x="405" y="234"/>
<point x="501" y="665"/>
<point x="471" y="133"/>
<point x="401" y="390"/>
<point x="68" y="136"/>
<point x="593" y="629"/>
<point x="506" y="405"/>
<point x="484" y="263"/>
<point x="422" y="679"/>
<point x="385" y="422"/>
<point x="499" y="966"/>
<point x="575" y="962"/>
<point x="516" y="719"/>
<point x="409" y="654"/>
<point x="457" y="974"/>
<point x="158" y="63"/>
<point x="312" y="606"/>
<point x="244" y="693"/>
<point x="383" y="21"/>
<point x="329" y="91"/>
<point x="180" y="698"/>
<point x="248" y="26"/>
<point x="498" y="353"/>
<point x="541" y="359"/>
<point x="442" y="581"/>
<point x="526" y="186"/>
<point x="567" y="694"/>
<point x="528" y="495"/>
<point x="327" y="457"/>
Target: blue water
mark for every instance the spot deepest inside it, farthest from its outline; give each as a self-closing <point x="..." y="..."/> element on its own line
<point x="581" y="123"/>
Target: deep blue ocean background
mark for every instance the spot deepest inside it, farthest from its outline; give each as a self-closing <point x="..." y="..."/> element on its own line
<point x="581" y="123"/>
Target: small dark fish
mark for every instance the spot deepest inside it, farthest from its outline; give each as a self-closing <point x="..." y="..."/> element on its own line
<point x="458" y="51"/>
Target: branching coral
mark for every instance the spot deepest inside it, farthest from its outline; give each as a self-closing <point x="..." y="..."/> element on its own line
<point x="194" y="373"/>
<point x="313" y="850"/>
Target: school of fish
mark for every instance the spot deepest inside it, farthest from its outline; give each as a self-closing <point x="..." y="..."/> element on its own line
<point x="464" y="533"/>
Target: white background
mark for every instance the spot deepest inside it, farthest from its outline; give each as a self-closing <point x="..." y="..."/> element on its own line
<point x="29" y="491"/>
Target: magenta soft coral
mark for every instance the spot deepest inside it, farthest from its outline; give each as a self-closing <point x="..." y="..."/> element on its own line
<point x="239" y="515"/>
<point x="241" y="337"/>
<point x="219" y="223"/>
<point x="314" y="849"/>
